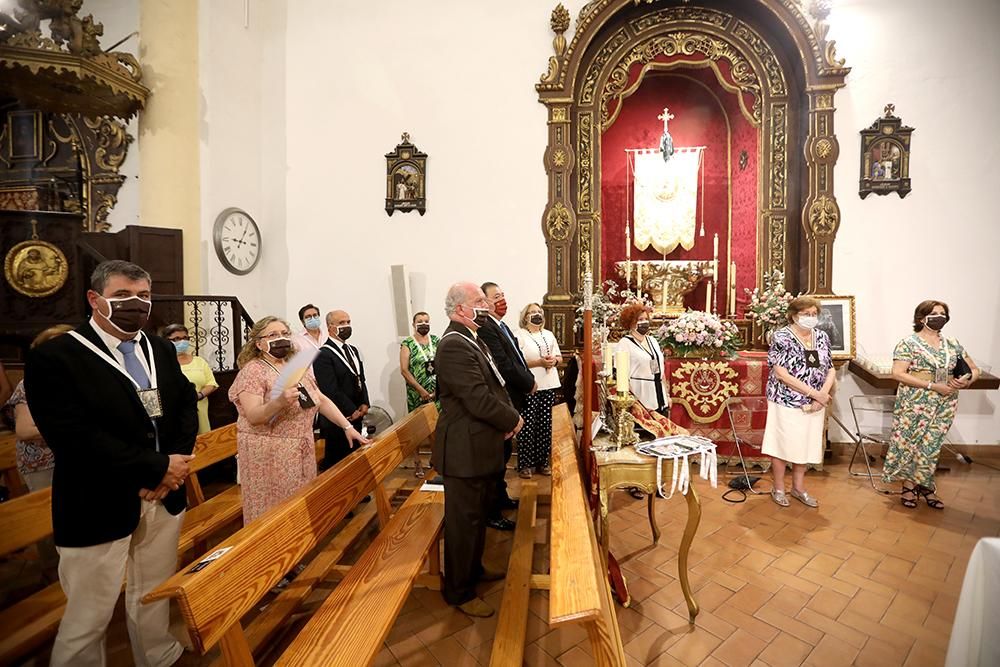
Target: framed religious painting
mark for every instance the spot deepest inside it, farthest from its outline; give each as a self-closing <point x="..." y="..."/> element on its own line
<point x="405" y="178"/>
<point x="885" y="156"/>
<point x="836" y="318"/>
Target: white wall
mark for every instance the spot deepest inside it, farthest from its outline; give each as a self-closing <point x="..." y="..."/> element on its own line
<point x="458" y="76"/>
<point x="941" y="241"/>
<point x="242" y="155"/>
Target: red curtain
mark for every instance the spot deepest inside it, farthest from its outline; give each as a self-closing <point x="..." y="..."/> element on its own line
<point x="701" y="107"/>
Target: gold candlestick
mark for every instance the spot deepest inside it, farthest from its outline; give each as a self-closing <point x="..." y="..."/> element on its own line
<point x="623" y="429"/>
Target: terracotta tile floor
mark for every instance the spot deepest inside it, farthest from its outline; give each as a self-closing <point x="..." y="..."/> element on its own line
<point x="860" y="581"/>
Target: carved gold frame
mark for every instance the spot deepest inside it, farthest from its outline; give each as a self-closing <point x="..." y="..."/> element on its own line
<point x="613" y="35"/>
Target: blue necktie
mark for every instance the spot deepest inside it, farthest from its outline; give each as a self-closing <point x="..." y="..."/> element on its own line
<point x="132" y="364"/>
<point x="510" y="338"/>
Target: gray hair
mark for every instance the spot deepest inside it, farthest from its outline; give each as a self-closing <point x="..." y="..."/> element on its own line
<point x="116" y="267"/>
<point x="458" y="294"/>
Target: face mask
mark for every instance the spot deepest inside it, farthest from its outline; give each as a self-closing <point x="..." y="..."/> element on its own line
<point x="808" y="321"/>
<point x="480" y="316"/>
<point x="182" y="346"/>
<point x="128" y="314"/>
<point x="642" y="328"/>
<point x="537" y="319"/>
<point x="423" y="329"/>
<point x="313" y="323"/>
<point x="936" y="322"/>
<point x="501" y="307"/>
<point x="344" y="332"/>
<point x="279" y="347"/>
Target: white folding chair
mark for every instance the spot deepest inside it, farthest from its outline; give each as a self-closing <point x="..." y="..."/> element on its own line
<point x="872" y="426"/>
<point x="741" y="411"/>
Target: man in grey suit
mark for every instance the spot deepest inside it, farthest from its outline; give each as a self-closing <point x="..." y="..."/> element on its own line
<point x="476" y="418"/>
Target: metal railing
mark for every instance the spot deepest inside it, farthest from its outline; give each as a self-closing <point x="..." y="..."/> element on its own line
<point x="218" y="325"/>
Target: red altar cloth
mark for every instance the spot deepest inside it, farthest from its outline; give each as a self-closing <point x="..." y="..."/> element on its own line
<point x="699" y="390"/>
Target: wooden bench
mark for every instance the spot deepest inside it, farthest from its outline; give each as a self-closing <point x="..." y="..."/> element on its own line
<point x="577" y="580"/>
<point x="8" y="465"/>
<point x="24" y="521"/>
<point x="214" y="599"/>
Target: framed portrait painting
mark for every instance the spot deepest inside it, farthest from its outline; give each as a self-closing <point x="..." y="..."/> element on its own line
<point x="836" y="318"/>
<point x="405" y="178"/>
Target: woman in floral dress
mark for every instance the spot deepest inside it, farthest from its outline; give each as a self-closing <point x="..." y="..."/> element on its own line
<point x="277" y="454"/>
<point x="925" y="403"/>
<point x="798" y="392"/>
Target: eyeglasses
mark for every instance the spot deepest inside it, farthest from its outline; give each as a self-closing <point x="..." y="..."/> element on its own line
<point x="275" y="334"/>
<point x="179" y="338"/>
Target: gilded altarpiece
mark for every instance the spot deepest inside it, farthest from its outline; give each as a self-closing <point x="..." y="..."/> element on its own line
<point x="772" y="54"/>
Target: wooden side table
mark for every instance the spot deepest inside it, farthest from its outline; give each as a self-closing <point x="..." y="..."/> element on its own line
<point x="626" y="468"/>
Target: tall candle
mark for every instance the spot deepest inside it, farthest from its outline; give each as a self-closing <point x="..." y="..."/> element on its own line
<point x="608" y="360"/>
<point x="715" y="259"/>
<point x="708" y="298"/>
<point x="622" y="372"/>
<point x="638" y="277"/>
<point x="732" y="285"/>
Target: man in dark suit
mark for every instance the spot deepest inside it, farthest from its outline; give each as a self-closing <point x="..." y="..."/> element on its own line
<point x="121" y="419"/>
<point x="520" y="382"/>
<point x="340" y="374"/>
<point x="476" y="418"/>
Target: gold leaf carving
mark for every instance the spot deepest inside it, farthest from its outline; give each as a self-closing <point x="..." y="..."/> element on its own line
<point x="779" y="167"/>
<point x="824" y="216"/>
<point x="558" y="222"/>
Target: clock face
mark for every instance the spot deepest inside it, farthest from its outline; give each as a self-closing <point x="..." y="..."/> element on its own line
<point x="237" y="241"/>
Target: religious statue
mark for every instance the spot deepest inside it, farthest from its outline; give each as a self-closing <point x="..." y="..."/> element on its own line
<point x="666" y="141"/>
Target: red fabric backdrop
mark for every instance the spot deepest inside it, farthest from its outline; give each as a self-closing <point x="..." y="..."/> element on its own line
<point x="700" y="106"/>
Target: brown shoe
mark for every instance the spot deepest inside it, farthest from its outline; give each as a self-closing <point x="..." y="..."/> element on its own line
<point x="525" y="474"/>
<point x="545" y="470"/>
<point x="476" y="607"/>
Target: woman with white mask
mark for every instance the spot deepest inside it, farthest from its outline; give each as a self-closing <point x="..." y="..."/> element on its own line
<point x="798" y="392"/>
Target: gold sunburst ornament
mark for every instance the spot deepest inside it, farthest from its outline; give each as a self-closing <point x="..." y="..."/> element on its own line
<point x="35" y="268"/>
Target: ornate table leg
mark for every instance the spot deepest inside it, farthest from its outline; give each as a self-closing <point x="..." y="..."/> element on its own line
<point x="650" y="499"/>
<point x="694" y="518"/>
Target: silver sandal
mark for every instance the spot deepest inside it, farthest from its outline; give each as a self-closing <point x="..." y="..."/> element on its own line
<point x="779" y="498"/>
<point x="804" y="498"/>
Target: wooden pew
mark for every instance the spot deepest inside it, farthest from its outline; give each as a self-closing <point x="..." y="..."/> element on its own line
<point x="28" y="624"/>
<point x="8" y="465"/>
<point x="205" y="517"/>
<point x="213" y="599"/>
<point x="578" y="588"/>
<point x="357" y="617"/>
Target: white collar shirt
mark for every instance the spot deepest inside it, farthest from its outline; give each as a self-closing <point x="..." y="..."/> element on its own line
<point x="112" y="344"/>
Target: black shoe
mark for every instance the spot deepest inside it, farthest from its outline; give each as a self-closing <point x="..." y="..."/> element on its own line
<point x="501" y="524"/>
<point x="366" y="499"/>
<point x="508" y="504"/>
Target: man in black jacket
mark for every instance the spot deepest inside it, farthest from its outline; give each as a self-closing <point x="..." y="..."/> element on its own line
<point x="340" y="374"/>
<point x="476" y="418"/>
<point x="520" y="382"/>
<point x="121" y="419"/>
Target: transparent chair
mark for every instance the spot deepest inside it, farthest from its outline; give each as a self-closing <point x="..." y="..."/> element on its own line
<point x="872" y="426"/>
<point x="743" y="413"/>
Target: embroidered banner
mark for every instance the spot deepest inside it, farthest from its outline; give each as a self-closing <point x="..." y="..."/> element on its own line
<point x="666" y="200"/>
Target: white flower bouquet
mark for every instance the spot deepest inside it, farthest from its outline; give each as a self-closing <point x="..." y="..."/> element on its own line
<point x="768" y="307"/>
<point x="699" y="334"/>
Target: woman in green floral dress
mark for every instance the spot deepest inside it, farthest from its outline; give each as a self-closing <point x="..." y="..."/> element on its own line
<point x="416" y="365"/>
<point x="925" y="404"/>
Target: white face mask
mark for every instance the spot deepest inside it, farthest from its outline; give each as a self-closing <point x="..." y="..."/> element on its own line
<point x="808" y="321"/>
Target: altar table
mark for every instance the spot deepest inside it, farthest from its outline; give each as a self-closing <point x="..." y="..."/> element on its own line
<point x="626" y="468"/>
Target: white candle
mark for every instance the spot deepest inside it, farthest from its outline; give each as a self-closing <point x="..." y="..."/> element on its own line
<point x="622" y="372"/>
<point x="708" y="298"/>
<point x="608" y="360"/>
<point x="638" y="277"/>
<point x="715" y="259"/>
<point x="732" y="285"/>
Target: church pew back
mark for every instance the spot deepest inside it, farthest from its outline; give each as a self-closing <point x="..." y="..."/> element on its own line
<point x="215" y="598"/>
<point x="579" y="590"/>
<point x="8" y="465"/>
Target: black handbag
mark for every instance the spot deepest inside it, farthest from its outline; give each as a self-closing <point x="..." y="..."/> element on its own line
<point x="961" y="368"/>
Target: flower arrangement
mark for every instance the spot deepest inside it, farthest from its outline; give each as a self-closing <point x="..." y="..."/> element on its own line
<point x="699" y="334"/>
<point x="768" y="307"/>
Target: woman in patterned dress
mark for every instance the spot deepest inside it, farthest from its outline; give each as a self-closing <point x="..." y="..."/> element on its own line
<point x="416" y="365"/>
<point x="277" y="454"/>
<point x="798" y="392"/>
<point x="925" y="403"/>
<point x="541" y="353"/>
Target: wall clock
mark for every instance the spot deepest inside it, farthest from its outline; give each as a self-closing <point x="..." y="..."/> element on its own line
<point x="237" y="241"/>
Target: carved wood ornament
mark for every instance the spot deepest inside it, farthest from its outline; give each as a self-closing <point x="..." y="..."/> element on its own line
<point x="780" y="79"/>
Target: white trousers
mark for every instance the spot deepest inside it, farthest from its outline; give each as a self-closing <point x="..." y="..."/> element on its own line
<point x="92" y="577"/>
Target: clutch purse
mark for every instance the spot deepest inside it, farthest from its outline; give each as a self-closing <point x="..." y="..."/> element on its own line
<point x="961" y="368"/>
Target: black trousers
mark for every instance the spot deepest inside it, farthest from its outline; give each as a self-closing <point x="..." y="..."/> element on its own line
<point x="500" y="487"/>
<point x="337" y="445"/>
<point x="466" y="506"/>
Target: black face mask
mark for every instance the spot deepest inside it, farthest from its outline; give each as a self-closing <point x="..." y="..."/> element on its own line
<point x="423" y="329"/>
<point x="279" y="348"/>
<point x="343" y="333"/>
<point x="128" y="315"/>
<point x="537" y="318"/>
<point x="936" y="322"/>
<point x="642" y="328"/>
<point x="482" y="316"/>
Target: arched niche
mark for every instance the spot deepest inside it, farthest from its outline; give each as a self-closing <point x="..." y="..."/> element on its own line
<point x="769" y="55"/>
